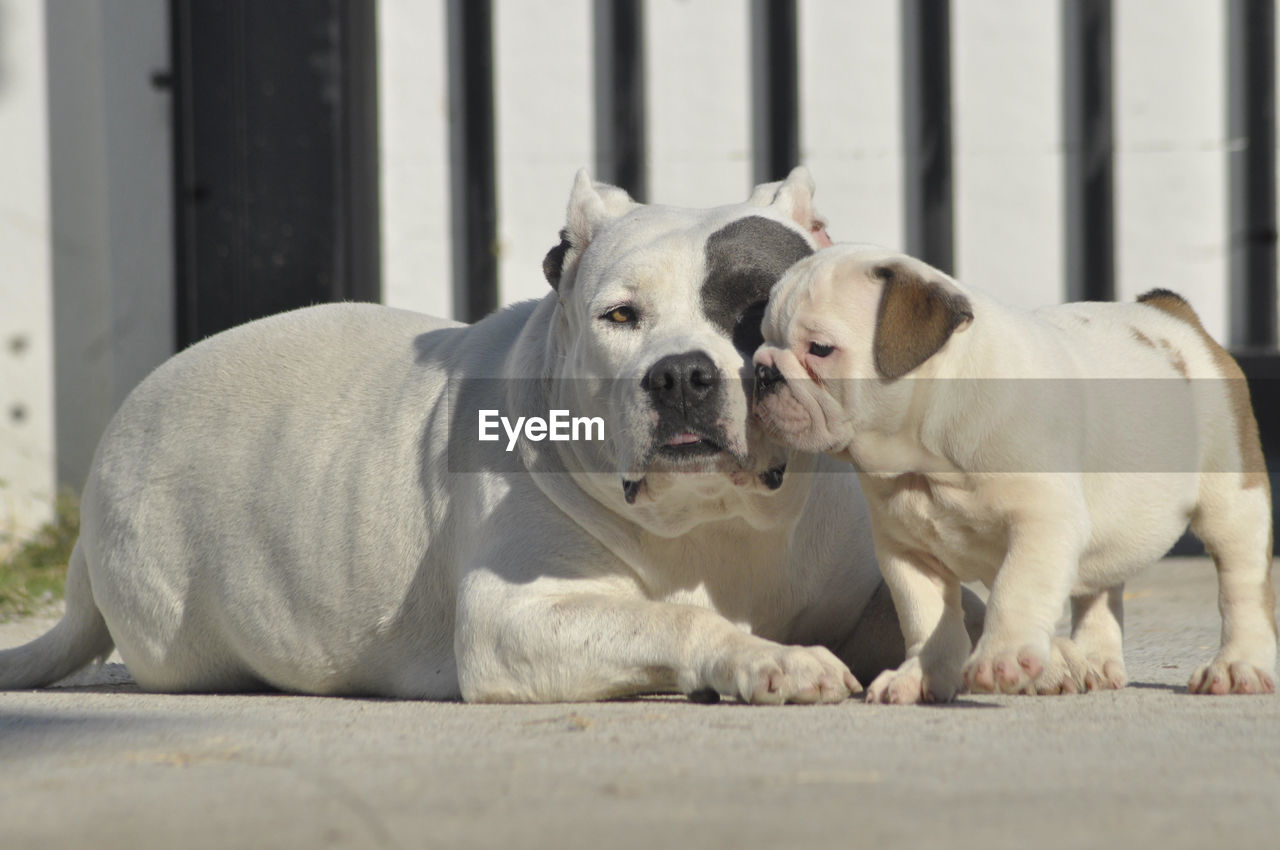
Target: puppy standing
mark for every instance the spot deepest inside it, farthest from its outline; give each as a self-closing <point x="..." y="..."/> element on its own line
<point x="1049" y="454"/>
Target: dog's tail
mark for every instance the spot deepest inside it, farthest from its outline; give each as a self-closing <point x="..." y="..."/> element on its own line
<point x="79" y="638"/>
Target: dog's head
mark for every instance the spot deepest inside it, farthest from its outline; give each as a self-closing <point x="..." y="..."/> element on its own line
<point x="659" y="313"/>
<point x="844" y="333"/>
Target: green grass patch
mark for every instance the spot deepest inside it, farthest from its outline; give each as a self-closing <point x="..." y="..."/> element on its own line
<point x="33" y="572"/>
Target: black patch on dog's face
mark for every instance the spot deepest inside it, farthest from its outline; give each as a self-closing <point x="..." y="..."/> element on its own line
<point x="745" y="258"/>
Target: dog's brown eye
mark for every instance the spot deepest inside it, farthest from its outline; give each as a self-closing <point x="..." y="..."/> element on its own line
<point x="819" y="350"/>
<point x="621" y="315"/>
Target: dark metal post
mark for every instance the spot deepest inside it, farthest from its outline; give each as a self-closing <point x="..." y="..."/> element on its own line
<point x="775" y="109"/>
<point x="275" y="137"/>
<point x="361" y="215"/>
<point x="926" y="77"/>
<point x="1251" y="120"/>
<point x="1088" y="135"/>
<point x="471" y="149"/>
<point x="619" y="95"/>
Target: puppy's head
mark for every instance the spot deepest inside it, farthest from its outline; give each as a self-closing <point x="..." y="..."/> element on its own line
<point x="842" y="331"/>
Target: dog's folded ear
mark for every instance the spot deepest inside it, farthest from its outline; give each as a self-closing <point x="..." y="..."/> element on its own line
<point x="915" y="319"/>
<point x="591" y="204"/>
<point x="794" y="197"/>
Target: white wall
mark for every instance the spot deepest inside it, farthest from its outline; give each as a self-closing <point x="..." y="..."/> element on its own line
<point x="851" y="116"/>
<point x="414" y="155"/>
<point x="111" y="178"/>
<point x="698" y="96"/>
<point x="1007" y="146"/>
<point x="545" y="120"/>
<point x="1007" y="90"/>
<point x="1171" y="177"/>
<point x="26" y="319"/>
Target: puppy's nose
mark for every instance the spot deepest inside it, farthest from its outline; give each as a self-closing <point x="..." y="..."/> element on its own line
<point x="767" y="377"/>
<point x="681" y="381"/>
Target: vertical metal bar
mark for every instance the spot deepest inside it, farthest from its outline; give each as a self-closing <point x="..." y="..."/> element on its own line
<point x="1089" y="146"/>
<point x="926" y="79"/>
<point x="471" y="149"/>
<point x="186" y="191"/>
<point x="359" y="217"/>
<point x="260" y="200"/>
<point x="1251" y="124"/>
<point x="621" y="152"/>
<point x="775" y="109"/>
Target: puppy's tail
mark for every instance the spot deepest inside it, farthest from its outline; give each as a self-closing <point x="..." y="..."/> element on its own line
<point x="79" y="638"/>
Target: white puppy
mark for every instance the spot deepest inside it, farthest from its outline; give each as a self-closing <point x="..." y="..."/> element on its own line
<point x="1049" y="454"/>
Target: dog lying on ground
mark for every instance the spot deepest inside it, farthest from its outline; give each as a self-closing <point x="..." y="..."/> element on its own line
<point x="323" y="501"/>
<point x="1048" y="454"/>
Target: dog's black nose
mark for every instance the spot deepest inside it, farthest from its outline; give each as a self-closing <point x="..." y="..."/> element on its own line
<point x="681" y="381"/>
<point x="767" y="377"/>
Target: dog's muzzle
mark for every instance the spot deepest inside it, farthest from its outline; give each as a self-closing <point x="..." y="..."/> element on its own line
<point x="687" y="393"/>
<point x="681" y="382"/>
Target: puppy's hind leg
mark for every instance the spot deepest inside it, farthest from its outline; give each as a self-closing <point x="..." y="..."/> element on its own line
<point x="1093" y="657"/>
<point x="1235" y="524"/>
<point x="876" y="642"/>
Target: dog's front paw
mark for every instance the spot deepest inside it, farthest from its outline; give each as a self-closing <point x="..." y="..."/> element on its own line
<point x="771" y="674"/>
<point x="909" y="684"/>
<point x="1070" y="671"/>
<point x="996" y="669"/>
<point x="1224" y="676"/>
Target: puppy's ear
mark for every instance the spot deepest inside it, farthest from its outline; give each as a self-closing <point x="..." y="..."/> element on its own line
<point x="916" y="317"/>
<point x="591" y="205"/>
<point x="794" y="198"/>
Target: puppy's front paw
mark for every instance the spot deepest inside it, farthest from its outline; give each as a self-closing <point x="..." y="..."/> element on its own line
<point x="908" y="684"/>
<point x="992" y="669"/>
<point x="772" y="674"/>
<point x="1070" y="671"/>
<point x="1224" y="676"/>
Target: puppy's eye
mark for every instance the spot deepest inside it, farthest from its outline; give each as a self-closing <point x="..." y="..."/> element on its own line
<point x="623" y="315"/>
<point x="819" y="350"/>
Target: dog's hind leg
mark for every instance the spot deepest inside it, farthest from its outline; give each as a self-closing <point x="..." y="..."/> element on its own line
<point x="80" y="637"/>
<point x="1234" y="522"/>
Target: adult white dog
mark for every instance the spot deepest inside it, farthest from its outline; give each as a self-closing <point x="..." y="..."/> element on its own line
<point x="1048" y="454"/>
<point x="306" y="503"/>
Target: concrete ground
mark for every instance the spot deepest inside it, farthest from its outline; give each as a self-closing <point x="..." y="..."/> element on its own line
<point x="1150" y="766"/>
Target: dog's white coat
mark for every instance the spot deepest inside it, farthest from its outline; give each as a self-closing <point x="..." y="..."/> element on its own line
<point x="1012" y="456"/>
<point x="280" y="505"/>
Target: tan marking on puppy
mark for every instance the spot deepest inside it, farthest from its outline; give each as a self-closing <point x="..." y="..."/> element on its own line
<point x="915" y="319"/>
<point x="1255" y="469"/>
<point x="1141" y="337"/>
<point x="1176" y="360"/>
<point x="1175" y="357"/>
